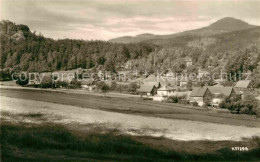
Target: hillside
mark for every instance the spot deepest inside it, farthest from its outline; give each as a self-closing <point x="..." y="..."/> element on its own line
<point x="136" y="39"/>
<point x="230" y="49"/>
<point x="224" y="25"/>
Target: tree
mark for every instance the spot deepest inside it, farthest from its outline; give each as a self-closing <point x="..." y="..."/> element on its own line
<point x="192" y="69"/>
<point x="189" y="85"/>
<point x="113" y="86"/>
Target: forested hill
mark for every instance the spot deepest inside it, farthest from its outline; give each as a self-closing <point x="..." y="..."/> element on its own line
<point x="231" y="51"/>
<point x="23" y="50"/>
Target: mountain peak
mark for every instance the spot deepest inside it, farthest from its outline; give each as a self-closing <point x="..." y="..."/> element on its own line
<point x="230" y="24"/>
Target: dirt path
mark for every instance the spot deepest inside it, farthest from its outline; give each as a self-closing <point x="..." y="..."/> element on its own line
<point x="133" y="124"/>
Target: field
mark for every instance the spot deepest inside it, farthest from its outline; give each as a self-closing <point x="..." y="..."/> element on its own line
<point x="46" y="141"/>
<point x="57" y="126"/>
<point x="134" y="105"/>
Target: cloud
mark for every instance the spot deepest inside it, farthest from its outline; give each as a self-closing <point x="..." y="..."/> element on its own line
<point x="89" y="19"/>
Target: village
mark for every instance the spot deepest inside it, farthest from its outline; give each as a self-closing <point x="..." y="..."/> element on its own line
<point x="186" y="89"/>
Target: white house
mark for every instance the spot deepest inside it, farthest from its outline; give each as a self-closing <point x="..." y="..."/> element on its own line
<point x="163" y="93"/>
<point x="188" y="61"/>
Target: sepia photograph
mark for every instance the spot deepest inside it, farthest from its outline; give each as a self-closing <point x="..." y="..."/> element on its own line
<point x="129" y="80"/>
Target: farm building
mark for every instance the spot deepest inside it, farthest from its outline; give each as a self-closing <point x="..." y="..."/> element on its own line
<point x="218" y="93"/>
<point x="147" y="90"/>
<point x="201" y="95"/>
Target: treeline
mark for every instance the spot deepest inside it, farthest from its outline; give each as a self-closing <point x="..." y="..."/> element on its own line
<point x="22" y="50"/>
<point x="36" y="53"/>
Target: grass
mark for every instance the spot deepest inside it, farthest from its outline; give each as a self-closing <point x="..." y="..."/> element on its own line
<point x="52" y="142"/>
<point x="133" y="106"/>
<point x="31" y="114"/>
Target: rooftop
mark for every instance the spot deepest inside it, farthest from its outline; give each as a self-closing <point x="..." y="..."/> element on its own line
<point x="243" y="84"/>
<point x="198" y="91"/>
<point x="147" y="88"/>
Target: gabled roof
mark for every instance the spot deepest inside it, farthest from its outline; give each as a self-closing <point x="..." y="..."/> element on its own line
<point x="87" y="81"/>
<point x="147" y="88"/>
<point x="156" y="84"/>
<point x="166" y="88"/>
<point x="151" y="78"/>
<point x="226" y="91"/>
<point x="198" y="92"/>
<point x="243" y="84"/>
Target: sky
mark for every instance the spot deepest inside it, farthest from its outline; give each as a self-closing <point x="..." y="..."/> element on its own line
<point x="107" y="19"/>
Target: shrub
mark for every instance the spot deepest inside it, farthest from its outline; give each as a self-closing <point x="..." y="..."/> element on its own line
<point x="172" y="99"/>
<point x="184" y="102"/>
<point x="22" y="82"/>
<point x="249" y="105"/>
<point x="103" y="87"/>
<point x="75" y="84"/>
<point x="195" y="104"/>
<point x="244" y="110"/>
<point x="62" y="84"/>
<point x="132" y="88"/>
<point x="113" y="86"/>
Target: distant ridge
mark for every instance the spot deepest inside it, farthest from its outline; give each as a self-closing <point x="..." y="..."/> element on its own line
<point x="227" y="24"/>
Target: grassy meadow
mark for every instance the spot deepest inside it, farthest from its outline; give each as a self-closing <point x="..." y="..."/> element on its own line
<point x="46" y="141"/>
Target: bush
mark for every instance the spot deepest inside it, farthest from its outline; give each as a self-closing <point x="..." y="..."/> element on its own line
<point x="75" y="84"/>
<point x="184" y="102"/>
<point x="22" y="82"/>
<point x="195" y="104"/>
<point x="103" y="87"/>
<point x="244" y="110"/>
<point x="62" y="84"/>
<point x="172" y="99"/>
<point x="113" y="86"/>
<point x="249" y="105"/>
<point x="132" y="88"/>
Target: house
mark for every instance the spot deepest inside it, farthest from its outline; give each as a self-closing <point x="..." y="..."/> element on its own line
<point x="87" y="84"/>
<point x="163" y="93"/>
<point x="219" y="93"/>
<point x="147" y="90"/>
<point x="182" y="80"/>
<point x="201" y="95"/>
<point x="243" y="84"/>
<point x="39" y="79"/>
<point x="151" y="78"/>
<point x="202" y="72"/>
<point x="188" y="61"/>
